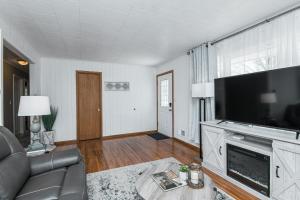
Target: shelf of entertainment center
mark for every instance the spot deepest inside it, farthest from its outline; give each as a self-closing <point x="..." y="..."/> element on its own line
<point x="250" y="142"/>
<point x="257" y="131"/>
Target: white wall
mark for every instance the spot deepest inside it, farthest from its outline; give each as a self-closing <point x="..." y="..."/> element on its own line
<point x="59" y="83"/>
<point x="182" y="94"/>
<point x="35" y="78"/>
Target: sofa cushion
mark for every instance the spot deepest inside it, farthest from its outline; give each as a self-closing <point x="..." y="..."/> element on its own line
<point x="43" y="186"/>
<point x="14" y="165"/>
<point x="74" y="186"/>
<point x="4" y="148"/>
<point x="13" y="143"/>
<point x="54" y="160"/>
<point x="14" y="171"/>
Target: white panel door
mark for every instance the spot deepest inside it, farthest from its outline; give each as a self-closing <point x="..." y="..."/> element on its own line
<point x="286" y="171"/>
<point x="165" y="102"/>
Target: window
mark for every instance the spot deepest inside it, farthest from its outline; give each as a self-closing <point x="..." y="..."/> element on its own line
<point x="269" y="46"/>
<point x="253" y="62"/>
<point x="242" y="59"/>
<point x="164" y="93"/>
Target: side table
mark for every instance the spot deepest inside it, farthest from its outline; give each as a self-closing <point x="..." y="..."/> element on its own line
<point x="47" y="149"/>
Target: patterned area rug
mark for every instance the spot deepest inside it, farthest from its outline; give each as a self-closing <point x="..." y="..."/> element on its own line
<point x="118" y="183"/>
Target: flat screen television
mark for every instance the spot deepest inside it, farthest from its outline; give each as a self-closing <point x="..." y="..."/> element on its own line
<point x="269" y="98"/>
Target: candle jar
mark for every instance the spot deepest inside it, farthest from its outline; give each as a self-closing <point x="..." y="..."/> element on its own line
<point x="195" y="176"/>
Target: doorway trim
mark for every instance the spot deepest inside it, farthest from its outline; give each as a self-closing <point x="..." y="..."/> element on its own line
<point x="77" y="105"/>
<point x="14" y="101"/>
<point x="157" y="103"/>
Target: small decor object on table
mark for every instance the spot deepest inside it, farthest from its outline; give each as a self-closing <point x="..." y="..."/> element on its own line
<point x="183" y="173"/>
<point x="196" y="176"/>
<point x="48" y="121"/>
<point x="167" y="180"/>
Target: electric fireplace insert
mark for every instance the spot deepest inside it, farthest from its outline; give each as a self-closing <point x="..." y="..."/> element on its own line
<point x="250" y="168"/>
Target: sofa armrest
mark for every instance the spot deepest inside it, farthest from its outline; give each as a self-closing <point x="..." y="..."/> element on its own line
<point x="54" y="160"/>
<point x="74" y="186"/>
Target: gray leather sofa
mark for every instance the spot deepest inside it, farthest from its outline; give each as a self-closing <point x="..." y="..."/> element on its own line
<point x="58" y="175"/>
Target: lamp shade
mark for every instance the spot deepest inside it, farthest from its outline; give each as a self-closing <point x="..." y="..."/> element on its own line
<point x="34" y="106"/>
<point x="203" y="90"/>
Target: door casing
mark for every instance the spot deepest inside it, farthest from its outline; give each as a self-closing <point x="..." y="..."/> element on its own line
<point x="78" y="72"/>
<point x="157" y="101"/>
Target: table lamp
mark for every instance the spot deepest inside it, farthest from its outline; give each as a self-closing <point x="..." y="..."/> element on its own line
<point x="34" y="106"/>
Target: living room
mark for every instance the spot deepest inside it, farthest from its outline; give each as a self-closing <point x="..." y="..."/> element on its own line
<point x="101" y="97"/>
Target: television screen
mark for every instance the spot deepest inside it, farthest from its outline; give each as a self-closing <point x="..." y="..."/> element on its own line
<point x="270" y="98"/>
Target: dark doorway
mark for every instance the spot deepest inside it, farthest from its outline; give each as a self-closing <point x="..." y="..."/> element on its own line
<point x="15" y="85"/>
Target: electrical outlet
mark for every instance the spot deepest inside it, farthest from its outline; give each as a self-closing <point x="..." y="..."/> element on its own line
<point x="181" y="132"/>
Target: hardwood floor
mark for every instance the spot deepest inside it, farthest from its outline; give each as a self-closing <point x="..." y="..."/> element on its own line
<point x="107" y="154"/>
<point x="102" y="155"/>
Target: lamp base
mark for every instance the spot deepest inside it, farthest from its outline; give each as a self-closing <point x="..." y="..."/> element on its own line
<point x="35" y="146"/>
<point x="35" y="128"/>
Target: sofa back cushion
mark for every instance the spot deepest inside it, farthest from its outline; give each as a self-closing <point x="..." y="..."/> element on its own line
<point x="4" y="148"/>
<point x="14" y="165"/>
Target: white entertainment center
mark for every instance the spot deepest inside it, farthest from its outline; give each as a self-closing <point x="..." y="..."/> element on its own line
<point x="279" y="148"/>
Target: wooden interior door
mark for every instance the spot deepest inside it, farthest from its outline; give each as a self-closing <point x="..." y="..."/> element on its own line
<point x="89" y="106"/>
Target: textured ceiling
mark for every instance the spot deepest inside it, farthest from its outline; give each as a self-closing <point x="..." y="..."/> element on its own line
<point x="142" y="32"/>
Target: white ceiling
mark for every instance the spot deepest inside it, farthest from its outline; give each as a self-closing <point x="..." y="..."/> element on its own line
<point x="143" y="32"/>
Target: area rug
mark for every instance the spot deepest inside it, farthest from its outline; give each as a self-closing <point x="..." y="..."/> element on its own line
<point x="158" y="136"/>
<point x="118" y="183"/>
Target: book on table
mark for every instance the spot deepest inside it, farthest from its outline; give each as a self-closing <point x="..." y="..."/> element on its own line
<point x="168" y="180"/>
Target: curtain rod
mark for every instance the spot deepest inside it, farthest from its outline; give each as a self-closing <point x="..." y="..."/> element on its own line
<point x="250" y="27"/>
<point x="189" y="52"/>
<point x="256" y="25"/>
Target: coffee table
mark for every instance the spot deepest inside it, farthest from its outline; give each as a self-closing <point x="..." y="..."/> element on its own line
<point x="149" y="190"/>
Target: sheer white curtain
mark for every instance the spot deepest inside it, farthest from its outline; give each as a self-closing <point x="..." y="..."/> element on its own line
<point x="202" y="69"/>
<point x="269" y="46"/>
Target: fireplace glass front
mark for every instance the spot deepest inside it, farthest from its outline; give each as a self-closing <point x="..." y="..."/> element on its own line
<point x="250" y="168"/>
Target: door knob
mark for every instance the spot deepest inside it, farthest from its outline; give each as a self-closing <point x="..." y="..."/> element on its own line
<point x="98" y="109"/>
